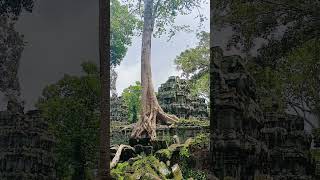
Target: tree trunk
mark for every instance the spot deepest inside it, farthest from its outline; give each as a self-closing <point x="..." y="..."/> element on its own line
<point x="151" y="112"/>
<point x="79" y="160"/>
<point x="104" y="148"/>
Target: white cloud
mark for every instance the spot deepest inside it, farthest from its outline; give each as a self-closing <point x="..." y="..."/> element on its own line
<point x="127" y="75"/>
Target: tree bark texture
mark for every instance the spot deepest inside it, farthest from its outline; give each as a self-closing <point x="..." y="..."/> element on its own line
<point x="151" y="112"/>
<point x="104" y="148"/>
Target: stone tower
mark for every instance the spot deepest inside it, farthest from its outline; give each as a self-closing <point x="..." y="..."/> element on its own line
<point x="175" y="98"/>
<point x="237" y="119"/>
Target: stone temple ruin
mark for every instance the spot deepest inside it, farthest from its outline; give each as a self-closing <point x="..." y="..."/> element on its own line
<point x="118" y="109"/>
<point x="175" y="98"/>
<point x="25" y="145"/>
<point x="247" y="143"/>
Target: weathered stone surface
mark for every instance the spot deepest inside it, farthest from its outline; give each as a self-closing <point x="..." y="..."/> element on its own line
<point x="118" y="109"/>
<point x="127" y="153"/>
<point x="163" y="169"/>
<point x="175" y="98"/>
<point x="25" y="146"/>
<point x="147" y="150"/>
<point x="176" y="171"/>
<point x="247" y="142"/>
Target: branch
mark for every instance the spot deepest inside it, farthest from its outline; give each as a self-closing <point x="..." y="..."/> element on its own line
<point x="298" y="106"/>
<point x="116" y="158"/>
<point x="140" y="8"/>
<point x="304" y="118"/>
<point x="288" y="7"/>
<point x="156" y="9"/>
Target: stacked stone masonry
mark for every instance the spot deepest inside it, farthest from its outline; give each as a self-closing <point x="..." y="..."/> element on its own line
<point x="25" y="147"/>
<point x="175" y="98"/>
<point x="250" y="144"/>
<point x="118" y="109"/>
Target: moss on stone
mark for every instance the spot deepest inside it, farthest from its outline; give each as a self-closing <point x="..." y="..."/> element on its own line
<point x="228" y="178"/>
<point x="164" y="155"/>
<point x="194" y="122"/>
<point x="120" y="170"/>
<point x="176" y="171"/>
<point x="315" y="153"/>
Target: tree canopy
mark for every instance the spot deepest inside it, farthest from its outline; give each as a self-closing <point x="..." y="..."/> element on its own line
<point x="123" y="26"/>
<point x="286" y="65"/>
<point x="165" y="13"/>
<point x="194" y="63"/>
<point x="284" y="21"/>
<point x="71" y="106"/>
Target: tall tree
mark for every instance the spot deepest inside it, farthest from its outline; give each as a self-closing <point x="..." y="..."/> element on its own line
<point x="157" y="15"/>
<point x="104" y="44"/>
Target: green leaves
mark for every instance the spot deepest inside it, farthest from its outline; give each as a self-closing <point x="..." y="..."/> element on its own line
<point x="255" y="19"/>
<point x="123" y="25"/>
<point x="165" y="13"/>
<point x="71" y="106"/>
<point x="132" y="98"/>
<point x="285" y="67"/>
<point x="194" y="63"/>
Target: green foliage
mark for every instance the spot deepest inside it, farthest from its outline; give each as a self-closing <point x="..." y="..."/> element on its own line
<point x="261" y="19"/>
<point x="165" y="13"/>
<point x="201" y="140"/>
<point x="132" y="98"/>
<point x="194" y="63"/>
<point x="193" y="122"/>
<point x="315" y="153"/>
<point x="293" y="81"/>
<point x="184" y="152"/>
<point x="71" y="107"/>
<point x="167" y="138"/>
<point x="164" y="154"/>
<point x="286" y="67"/>
<point x="299" y="73"/>
<point x="195" y="174"/>
<point x="187" y="160"/>
<point x="147" y="164"/>
<point x="123" y="25"/>
<point x="120" y="170"/>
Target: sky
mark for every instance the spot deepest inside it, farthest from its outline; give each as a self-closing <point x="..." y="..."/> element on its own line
<point x="61" y="34"/>
<point x="163" y="53"/>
